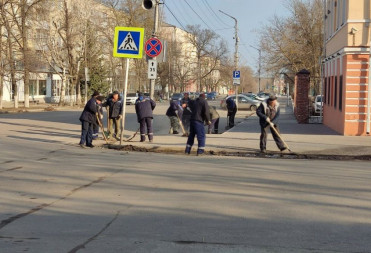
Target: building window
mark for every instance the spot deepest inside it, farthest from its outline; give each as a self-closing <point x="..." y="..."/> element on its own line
<point x="325" y="91"/>
<point x="42" y="87"/>
<point x="344" y="8"/>
<point x="341" y="93"/>
<point x="329" y="91"/>
<point x="336" y="15"/>
<point x="336" y="91"/>
<point x="33" y="87"/>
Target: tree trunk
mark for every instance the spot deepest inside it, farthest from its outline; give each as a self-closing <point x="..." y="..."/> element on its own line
<point x="78" y="91"/>
<point x="1" y="89"/>
<point x="77" y="85"/>
<point x="26" y="80"/>
<point x="25" y="52"/>
<point x="12" y="74"/>
<point x="63" y="90"/>
<point x="11" y="61"/>
<point x="2" y="68"/>
<point x="72" y="88"/>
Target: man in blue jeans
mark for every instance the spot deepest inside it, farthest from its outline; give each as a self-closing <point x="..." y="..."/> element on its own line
<point x="200" y="114"/>
<point x="88" y="119"/>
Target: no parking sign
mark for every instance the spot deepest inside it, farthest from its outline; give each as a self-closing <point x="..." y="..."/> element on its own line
<point x="153" y="47"/>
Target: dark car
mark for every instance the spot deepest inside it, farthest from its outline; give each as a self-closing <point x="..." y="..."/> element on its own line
<point x="177" y="97"/>
<point x="211" y="96"/>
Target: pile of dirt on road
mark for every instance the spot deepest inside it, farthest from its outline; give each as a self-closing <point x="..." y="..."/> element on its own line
<point x="49" y="109"/>
<point x="128" y="148"/>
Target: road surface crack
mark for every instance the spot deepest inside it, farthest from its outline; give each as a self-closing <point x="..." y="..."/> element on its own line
<point x="40" y="207"/>
<point x="82" y="246"/>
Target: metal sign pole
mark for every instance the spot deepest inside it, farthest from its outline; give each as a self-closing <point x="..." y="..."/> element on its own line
<point x="124" y="101"/>
<point x="155" y="28"/>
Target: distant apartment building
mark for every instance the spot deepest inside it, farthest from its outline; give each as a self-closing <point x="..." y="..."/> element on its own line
<point x="45" y="82"/>
<point x="181" y="56"/>
<point x="346" y="77"/>
<point x="182" y="59"/>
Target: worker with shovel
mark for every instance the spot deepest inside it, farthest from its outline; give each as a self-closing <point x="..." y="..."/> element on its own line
<point x="144" y="109"/>
<point x="269" y="113"/>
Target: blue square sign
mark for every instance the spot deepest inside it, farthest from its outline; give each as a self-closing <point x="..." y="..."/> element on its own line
<point x="236" y="74"/>
<point x="128" y="42"/>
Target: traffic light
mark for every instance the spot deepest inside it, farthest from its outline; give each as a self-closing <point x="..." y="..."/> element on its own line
<point x="148" y="4"/>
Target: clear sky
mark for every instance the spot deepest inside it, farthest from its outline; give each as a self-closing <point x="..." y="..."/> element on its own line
<point x="252" y="15"/>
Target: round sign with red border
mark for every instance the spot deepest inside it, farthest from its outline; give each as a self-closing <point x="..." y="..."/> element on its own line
<point x="153" y="47"/>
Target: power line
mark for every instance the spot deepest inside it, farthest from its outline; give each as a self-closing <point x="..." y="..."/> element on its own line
<point x="218" y="18"/>
<point x="198" y="15"/>
<point x="180" y="23"/>
<point x="207" y="16"/>
<point x="180" y="13"/>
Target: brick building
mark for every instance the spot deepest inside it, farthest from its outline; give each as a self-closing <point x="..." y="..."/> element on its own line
<point x="346" y="76"/>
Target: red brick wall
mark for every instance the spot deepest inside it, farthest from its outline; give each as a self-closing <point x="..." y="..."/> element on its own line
<point x="301" y="99"/>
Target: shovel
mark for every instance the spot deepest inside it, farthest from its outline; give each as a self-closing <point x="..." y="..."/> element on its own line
<point x="181" y="126"/>
<point x="101" y="126"/>
<point x="278" y="134"/>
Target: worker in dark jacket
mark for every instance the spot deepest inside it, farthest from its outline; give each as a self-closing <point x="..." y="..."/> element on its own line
<point x="200" y="116"/>
<point x="88" y="119"/>
<point x="187" y="112"/>
<point x="114" y="102"/>
<point x="174" y="112"/>
<point x="232" y="110"/>
<point x="144" y="108"/>
<point x="268" y="113"/>
<point x="214" y="118"/>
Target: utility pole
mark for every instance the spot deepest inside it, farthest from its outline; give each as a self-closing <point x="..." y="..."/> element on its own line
<point x="235" y="49"/>
<point x="154" y="35"/>
<point x="86" y="67"/>
<point x="260" y="57"/>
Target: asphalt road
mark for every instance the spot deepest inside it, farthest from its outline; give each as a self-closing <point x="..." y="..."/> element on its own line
<point x="56" y="197"/>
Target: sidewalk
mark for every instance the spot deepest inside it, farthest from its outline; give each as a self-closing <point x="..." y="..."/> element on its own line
<point x="8" y="108"/>
<point x="305" y="140"/>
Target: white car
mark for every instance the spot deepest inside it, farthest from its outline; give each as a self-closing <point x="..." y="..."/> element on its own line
<point x="317" y="105"/>
<point x="131" y="98"/>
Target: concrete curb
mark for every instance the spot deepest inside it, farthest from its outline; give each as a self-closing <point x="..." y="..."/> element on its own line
<point x="272" y="155"/>
<point x="22" y="111"/>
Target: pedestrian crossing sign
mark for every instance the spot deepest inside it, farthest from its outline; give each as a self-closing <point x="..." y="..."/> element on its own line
<point x="128" y="42"/>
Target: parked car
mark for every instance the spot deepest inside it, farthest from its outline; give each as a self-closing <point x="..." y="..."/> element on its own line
<point x="177" y="97"/>
<point x="264" y="95"/>
<point x="215" y="93"/>
<point x="317" y="105"/>
<point x="253" y="96"/>
<point x="210" y="96"/>
<point x="244" y="102"/>
<point x="131" y="98"/>
<point x="192" y="95"/>
<point x="146" y="94"/>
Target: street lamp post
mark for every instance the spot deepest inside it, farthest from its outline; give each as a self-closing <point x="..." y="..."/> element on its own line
<point x="260" y="56"/>
<point x="236" y="50"/>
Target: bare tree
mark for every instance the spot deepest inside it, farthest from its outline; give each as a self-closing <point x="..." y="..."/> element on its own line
<point x="66" y="44"/>
<point x="2" y="49"/>
<point x="210" y="51"/>
<point x="8" y="23"/>
<point x="248" y="82"/>
<point x="295" y="42"/>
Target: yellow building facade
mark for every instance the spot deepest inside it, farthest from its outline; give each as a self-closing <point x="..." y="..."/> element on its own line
<point x="347" y="31"/>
